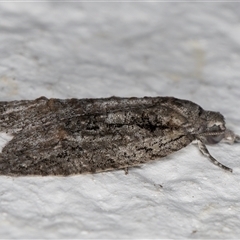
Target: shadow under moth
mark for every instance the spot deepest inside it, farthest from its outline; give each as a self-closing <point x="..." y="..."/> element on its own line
<point x="74" y="136"/>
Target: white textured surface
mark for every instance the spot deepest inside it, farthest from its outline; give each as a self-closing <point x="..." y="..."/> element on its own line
<point x="186" y="50"/>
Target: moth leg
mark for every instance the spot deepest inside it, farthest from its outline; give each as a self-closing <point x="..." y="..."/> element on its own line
<point x="205" y="152"/>
<point x="231" y="137"/>
<point x="126" y="170"/>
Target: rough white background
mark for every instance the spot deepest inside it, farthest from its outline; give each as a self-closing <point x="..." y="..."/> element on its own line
<point x="65" y="50"/>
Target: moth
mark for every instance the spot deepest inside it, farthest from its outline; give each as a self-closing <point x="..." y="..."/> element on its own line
<point x="75" y="136"/>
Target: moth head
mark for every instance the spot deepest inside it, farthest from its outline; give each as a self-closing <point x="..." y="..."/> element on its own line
<point x="206" y="125"/>
<point x="213" y="127"/>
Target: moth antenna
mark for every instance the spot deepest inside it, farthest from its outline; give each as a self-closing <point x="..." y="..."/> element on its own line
<point x="203" y="149"/>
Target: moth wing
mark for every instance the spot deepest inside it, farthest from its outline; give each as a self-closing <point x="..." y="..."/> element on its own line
<point x="33" y="152"/>
<point x="52" y="150"/>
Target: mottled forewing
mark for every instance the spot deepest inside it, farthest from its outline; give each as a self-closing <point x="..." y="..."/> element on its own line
<point x="62" y="137"/>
